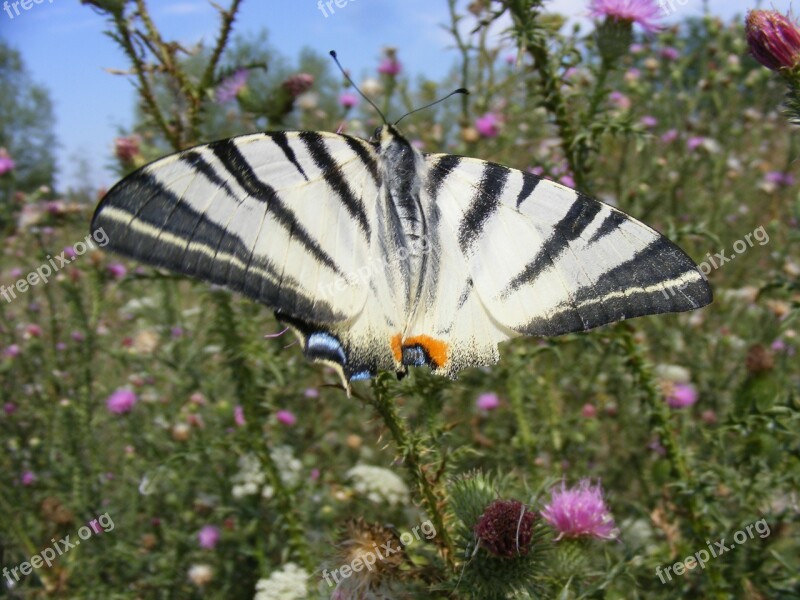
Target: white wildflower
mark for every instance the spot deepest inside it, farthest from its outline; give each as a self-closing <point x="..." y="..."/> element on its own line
<point x="371" y="87"/>
<point x="200" y="575"/>
<point x="290" y="583"/>
<point x="673" y="373"/>
<point x="250" y="478"/>
<point x="378" y="484"/>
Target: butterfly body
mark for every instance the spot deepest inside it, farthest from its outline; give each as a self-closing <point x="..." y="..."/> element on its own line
<point x="381" y="257"/>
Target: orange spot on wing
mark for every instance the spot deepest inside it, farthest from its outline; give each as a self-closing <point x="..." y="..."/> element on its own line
<point x="397" y="347"/>
<point x="436" y="349"/>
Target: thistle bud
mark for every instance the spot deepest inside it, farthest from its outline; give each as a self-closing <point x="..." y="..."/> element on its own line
<point x="506" y="528"/>
<point x="774" y="39"/>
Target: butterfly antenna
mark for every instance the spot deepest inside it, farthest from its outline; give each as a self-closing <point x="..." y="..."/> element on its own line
<point x="453" y="93"/>
<point x="350" y="81"/>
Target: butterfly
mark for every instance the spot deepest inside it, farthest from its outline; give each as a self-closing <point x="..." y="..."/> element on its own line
<point x="381" y="257"/>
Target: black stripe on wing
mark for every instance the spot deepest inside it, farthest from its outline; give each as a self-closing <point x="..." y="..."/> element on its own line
<point x="282" y="141"/>
<point x="485" y="202"/>
<point x="580" y="215"/>
<point x="661" y="278"/>
<point x="229" y="155"/>
<point x="367" y="156"/>
<point x="332" y="173"/>
<point x="439" y="172"/>
<point x="529" y="183"/>
<point x="609" y="225"/>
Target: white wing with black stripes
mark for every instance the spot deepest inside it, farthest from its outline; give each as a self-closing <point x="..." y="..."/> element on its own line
<point x="533" y="257"/>
<point x="287" y="219"/>
<point x="382" y="258"/>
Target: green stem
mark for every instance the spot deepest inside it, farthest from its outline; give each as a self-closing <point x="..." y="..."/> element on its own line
<point x="408" y="445"/>
<point x="692" y="496"/>
<point x="532" y="39"/>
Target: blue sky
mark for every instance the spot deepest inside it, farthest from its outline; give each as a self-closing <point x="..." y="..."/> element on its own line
<point x="64" y="48"/>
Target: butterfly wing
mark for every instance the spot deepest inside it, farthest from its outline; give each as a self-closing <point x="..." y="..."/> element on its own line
<point x="285" y="218"/>
<point x="521" y="255"/>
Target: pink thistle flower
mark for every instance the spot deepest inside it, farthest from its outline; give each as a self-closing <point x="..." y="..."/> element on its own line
<point x="238" y="416"/>
<point x="121" y="401"/>
<point x="670" y="53"/>
<point x="589" y="411"/>
<point x="488" y="125"/>
<point x="12" y="351"/>
<point x="230" y="87"/>
<point x="7" y="164"/>
<point x="127" y="148"/>
<point x="648" y="122"/>
<point x="487" y="401"/>
<point x="695" y="142"/>
<point x="348" y="100"/>
<point x="298" y="83"/>
<point x="643" y="12"/>
<point x="117" y="270"/>
<point x="681" y="395"/>
<point x="390" y="66"/>
<point x="506" y="528"/>
<point x="580" y="511"/>
<point x="778" y="345"/>
<point x="311" y="393"/>
<point x="619" y="100"/>
<point x="670" y="136"/>
<point x="69" y="252"/>
<point x="774" y="39"/>
<point x="567" y="180"/>
<point x="33" y="331"/>
<point x="28" y="478"/>
<point x="779" y="178"/>
<point x="208" y="537"/>
<point x="9" y="408"/>
<point x="286" y="417"/>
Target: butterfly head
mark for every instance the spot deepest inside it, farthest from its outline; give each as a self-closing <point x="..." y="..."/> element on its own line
<point x="386" y="134"/>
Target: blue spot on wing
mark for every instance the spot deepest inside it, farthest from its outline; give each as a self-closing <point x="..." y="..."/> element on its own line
<point x="414" y="356"/>
<point x="323" y="345"/>
<point x="360" y="376"/>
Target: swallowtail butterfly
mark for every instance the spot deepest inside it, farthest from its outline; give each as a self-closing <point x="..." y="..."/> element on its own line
<point x="381" y="257"/>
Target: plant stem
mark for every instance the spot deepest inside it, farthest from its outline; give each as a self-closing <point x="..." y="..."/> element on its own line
<point x="408" y="445"/>
<point x="691" y="496"/>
